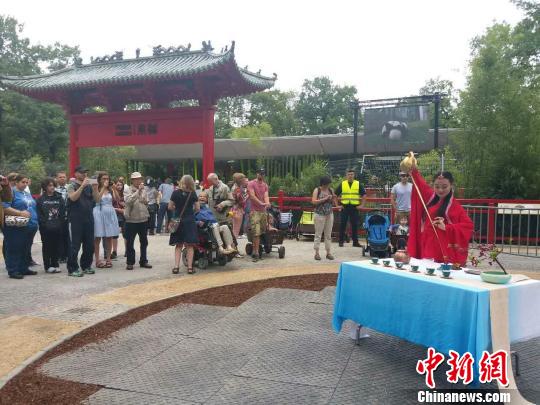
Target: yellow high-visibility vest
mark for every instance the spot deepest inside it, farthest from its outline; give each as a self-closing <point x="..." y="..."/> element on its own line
<point x="350" y="195"/>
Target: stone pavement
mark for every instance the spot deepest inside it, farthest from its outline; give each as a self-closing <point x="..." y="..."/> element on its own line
<point x="276" y="348"/>
<point x="48" y="307"/>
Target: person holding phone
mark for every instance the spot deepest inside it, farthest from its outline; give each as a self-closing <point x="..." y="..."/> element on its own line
<point x="82" y="197"/>
<point x="323" y="198"/>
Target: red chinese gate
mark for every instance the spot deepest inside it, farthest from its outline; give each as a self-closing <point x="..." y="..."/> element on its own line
<point x="170" y="75"/>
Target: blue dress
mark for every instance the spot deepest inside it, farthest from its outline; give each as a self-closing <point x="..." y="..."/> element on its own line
<point x="105" y="219"/>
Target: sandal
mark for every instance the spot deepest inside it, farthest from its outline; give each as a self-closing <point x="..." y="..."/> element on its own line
<point x="191" y="270"/>
<point x="176" y="270"/>
<point x="101" y="265"/>
<point x="108" y="264"/>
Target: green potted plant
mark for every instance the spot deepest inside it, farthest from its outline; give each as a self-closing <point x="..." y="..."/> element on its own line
<point x="490" y="252"/>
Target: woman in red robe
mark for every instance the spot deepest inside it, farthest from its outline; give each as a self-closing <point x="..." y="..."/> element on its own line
<point x="452" y="224"/>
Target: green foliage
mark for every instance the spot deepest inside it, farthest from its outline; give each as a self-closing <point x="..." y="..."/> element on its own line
<point x="253" y="132"/>
<point x="114" y="160"/>
<point x="448" y="105"/>
<point x="276" y="108"/>
<point x="323" y="107"/>
<point x="304" y="184"/>
<point x="430" y="163"/>
<point x="230" y="114"/>
<point x="500" y="144"/>
<point x="29" y="127"/>
<point x="34" y="168"/>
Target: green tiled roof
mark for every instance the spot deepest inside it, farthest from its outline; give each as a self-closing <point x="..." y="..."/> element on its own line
<point x="155" y="68"/>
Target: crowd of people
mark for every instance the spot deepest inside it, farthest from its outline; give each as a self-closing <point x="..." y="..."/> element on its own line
<point x="81" y="221"/>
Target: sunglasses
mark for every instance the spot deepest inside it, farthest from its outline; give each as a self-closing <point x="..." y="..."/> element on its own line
<point x="403" y="175"/>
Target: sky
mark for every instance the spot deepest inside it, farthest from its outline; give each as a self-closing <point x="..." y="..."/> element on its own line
<point x="385" y="48"/>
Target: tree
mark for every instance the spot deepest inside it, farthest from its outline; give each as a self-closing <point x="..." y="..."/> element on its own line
<point x="230" y="114"/>
<point x="34" y="168"/>
<point x="448" y="104"/>
<point x="276" y="108"/>
<point x="111" y="159"/>
<point x="500" y="143"/>
<point x="323" y="107"/>
<point x="29" y="127"/>
<point x="253" y="132"/>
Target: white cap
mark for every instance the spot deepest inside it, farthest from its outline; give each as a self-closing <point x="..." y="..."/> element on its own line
<point x="136" y="175"/>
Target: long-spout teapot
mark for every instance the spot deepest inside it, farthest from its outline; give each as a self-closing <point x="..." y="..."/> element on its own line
<point x="408" y="163"/>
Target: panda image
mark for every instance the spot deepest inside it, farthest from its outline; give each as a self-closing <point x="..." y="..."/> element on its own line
<point x="394" y="130"/>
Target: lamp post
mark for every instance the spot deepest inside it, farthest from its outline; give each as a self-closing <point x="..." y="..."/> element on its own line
<point x="356" y="110"/>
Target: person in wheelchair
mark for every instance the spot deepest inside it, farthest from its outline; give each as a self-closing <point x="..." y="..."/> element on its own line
<point x="222" y="234"/>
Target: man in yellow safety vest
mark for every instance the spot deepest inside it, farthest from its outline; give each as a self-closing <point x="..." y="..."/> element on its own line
<point x="352" y="199"/>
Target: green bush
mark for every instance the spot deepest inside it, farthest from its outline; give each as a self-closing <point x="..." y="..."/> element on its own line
<point x="34" y="168"/>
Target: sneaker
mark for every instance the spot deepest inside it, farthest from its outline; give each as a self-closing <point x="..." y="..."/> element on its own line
<point x="89" y="271"/>
<point x="317" y="256"/>
<point x="146" y="266"/>
<point x="129" y="267"/>
<point x="33" y="263"/>
<point x="51" y="270"/>
<point x="76" y="273"/>
<point x="29" y="273"/>
<point x="329" y="256"/>
<point x="255" y="258"/>
<point x="114" y="255"/>
<point x="16" y="276"/>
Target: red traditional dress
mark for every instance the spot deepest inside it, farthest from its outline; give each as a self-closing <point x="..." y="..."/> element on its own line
<point x="422" y="242"/>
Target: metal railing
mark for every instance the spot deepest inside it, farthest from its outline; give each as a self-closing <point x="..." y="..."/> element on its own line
<point x="513" y="225"/>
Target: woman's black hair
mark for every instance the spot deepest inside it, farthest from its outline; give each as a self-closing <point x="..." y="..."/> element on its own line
<point x="325" y="180"/>
<point x="441" y="212"/>
<point x="45" y="182"/>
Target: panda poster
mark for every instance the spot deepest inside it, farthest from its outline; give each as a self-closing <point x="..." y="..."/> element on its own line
<point x="397" y="128"/>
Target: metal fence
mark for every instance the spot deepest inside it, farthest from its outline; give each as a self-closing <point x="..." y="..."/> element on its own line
<point x="513" y="225"/>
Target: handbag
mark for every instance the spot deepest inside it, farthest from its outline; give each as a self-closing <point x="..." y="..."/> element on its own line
<point x="174" y="223"/>
<point x="16" y="221"/>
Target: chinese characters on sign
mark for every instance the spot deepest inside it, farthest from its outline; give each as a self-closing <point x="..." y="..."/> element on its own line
<point x="136" y="129"/>
<point x="491" y="367"/>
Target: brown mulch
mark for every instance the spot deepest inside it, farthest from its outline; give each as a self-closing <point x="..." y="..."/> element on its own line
<point x="32" y="387"/>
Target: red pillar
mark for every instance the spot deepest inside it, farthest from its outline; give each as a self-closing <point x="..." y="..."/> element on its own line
<point x="74" y="159"/>
<point x="208" y="142"/>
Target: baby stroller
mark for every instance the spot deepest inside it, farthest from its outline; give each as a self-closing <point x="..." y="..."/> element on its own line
<point x="207" y="250"/>
<point x="285" y="223"/>
<point x="306" y="225"/>
<point x="376" y="225"/>
<point x="271" y="240"/>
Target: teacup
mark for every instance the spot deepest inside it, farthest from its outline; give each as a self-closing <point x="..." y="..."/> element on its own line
<point x="386" y="263"/>
<point x="446" y="273"/>
<point x="430" y="270"/>
<point x="446" y="266"/>
<point x="414" y="268"/>
<point x="399" y="265"/>
<point x="375" y="260"/>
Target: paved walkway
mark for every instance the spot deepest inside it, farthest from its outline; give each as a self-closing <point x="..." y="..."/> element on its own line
<point x="48" y="307"/>
<point x="276" y="348"/>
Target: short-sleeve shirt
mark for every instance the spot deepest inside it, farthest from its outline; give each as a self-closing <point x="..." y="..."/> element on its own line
<point x="403" y="196"/>
<point x="23" y="201"/>
<point x="166" y="191"/>
<point x="260" y="188"/>
<point x="82" y="209"/>
<point x="179" y="198"/>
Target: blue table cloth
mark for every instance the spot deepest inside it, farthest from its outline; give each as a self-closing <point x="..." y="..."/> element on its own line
<point x="425" y="310"/>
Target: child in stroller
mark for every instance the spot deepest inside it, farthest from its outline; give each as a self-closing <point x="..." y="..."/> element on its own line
<point x="399" y="234"/>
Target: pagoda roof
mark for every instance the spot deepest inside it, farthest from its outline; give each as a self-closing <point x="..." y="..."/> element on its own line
<point x="166" y="67"/>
